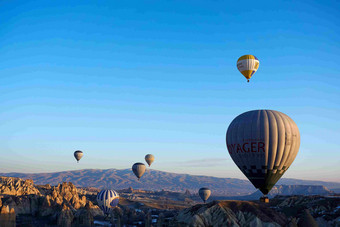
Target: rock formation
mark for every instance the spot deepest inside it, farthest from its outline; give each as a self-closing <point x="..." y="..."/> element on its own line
<point x="17" y="186"/>
<point x="230" y="213"/>
<point x="61" y="203"/>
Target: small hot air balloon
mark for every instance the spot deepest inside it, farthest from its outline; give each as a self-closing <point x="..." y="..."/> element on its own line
<point x="204" y="193"/>
<point x="78" y="155"/>
<point x="149" y="158"/>
<point x="107" y="200"/>
<point x="138" y="169"/>
<point x="263" y="144"/>
<point x="248" y="65"/>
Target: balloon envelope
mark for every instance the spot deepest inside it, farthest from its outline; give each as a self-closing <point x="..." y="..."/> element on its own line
<point x="204" y="193"/>
<point x="149" y="158"/>
<point x="138" y="169"/>
<point x="248" y="65"/>
<point x="107" y="200"/>
<point x="78" y="155"/>
<point x="263" y="144"/>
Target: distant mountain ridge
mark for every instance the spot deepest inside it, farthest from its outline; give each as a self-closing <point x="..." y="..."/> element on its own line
<point x="155" y="180"/>
<point x="284" y="190"/>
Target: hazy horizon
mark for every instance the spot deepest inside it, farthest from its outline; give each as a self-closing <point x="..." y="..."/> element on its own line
<point x="241" y="178"/>
<point x="119" y="80"/>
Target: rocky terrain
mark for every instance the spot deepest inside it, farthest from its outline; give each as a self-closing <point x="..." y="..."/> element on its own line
<point x="325" y="210"/>
<point x="45" y="204"/>
<point x="282" y="211"/>
<point x="156" y="180"/>
<point x="230" y="213"/>
<point x="22" y="203"/>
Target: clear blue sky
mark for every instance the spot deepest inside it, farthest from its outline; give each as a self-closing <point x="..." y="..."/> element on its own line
<point x="119" y="79"/>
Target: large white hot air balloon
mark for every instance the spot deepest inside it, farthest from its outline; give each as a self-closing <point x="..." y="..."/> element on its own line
<point x="107" y="200"/>
<point x="263" y="144"/>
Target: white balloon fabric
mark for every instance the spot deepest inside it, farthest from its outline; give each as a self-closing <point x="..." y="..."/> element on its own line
<point x="107" y="200"/>
<point x="248" y="65"/>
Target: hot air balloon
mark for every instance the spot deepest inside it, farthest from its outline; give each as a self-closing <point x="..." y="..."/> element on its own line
<point x="149" y="158"/>
<point x="138" y="169"/>
<point x="263" y="144"/>
<point x="204" y="193"/>
<point x="107" y="200"/>
<point x="78" y="155"/>
<point x="248" y="65"/>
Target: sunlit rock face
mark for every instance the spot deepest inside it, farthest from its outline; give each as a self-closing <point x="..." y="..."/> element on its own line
<point x="17" y="186"/>
<point x="230" y="213"/>
<point x="61" y="203"/>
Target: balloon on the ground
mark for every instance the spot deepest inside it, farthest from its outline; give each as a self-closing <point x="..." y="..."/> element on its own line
<point x="263" y="144"/>
<point x="204" y="193"/>
<point x="138" y="169"/>
<point x="149" y="158"/>
<point x="248" y="65"/>
<point x="78" y="155"/>
<point x="107" y="200"/>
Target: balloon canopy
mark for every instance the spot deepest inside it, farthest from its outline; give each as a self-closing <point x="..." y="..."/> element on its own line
<point x="263" y="144"/>
<point x="138" y="169"/>
<point x="78" y="155"/>
<point x="248" y="65"/>
<point x="107" y="200"/>
<point x="204" y="193"/>
<point x="149" y="158"/>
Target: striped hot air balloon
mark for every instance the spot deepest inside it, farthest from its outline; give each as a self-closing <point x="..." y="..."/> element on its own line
<point x="248" y="65"/>
<point x="107" y="200"/>
<point x="263" y="144"/>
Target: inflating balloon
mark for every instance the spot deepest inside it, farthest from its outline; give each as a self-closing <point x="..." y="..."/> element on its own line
<point x="107" y="200"/>
<point x="263" y="144"/>
<point x="78" y="155"/>
<point x="138" y="169"/>
<point x="204" y="193"/>
<point x="149" y="158"/>
<point x="248" y="65"/>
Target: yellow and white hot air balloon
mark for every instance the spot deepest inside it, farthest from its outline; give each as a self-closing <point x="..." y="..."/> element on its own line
<point x="248" y="65"/>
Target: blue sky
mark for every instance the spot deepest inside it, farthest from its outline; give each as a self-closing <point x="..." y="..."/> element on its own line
<point x="119" y="79"/>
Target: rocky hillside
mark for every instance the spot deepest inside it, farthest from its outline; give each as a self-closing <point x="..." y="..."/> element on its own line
<point x="325" y="210"/>
<point x="16" y="186"/>
<point x="300" y="211"/>
<point x="230" y="213"/>
<point x="59" y="204"/>
<point x="155" y="180"/>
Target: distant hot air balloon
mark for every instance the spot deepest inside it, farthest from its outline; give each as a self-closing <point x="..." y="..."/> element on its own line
<point x="138" y="169"/>
<point x="248" y="65"/>
<point x="78" y="155"/>
<point x="204" y="193"/>
<point x="107" y="200"/>
<point x="263" y="144"/>
<point x="149" y="158"/>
